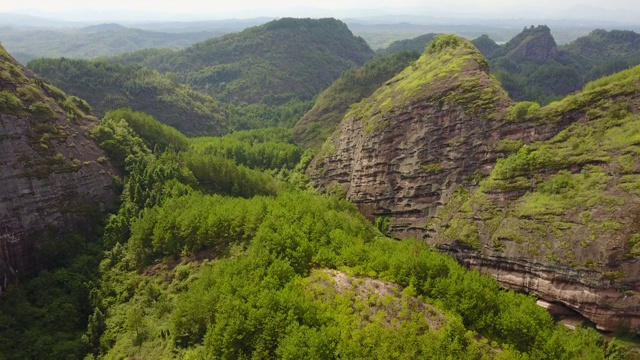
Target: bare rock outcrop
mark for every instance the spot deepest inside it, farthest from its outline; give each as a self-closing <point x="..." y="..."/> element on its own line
<point x="445" y="154"/>
<point x="55" y="180"/>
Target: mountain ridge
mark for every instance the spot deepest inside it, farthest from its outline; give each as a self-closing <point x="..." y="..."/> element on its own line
<point x="108" y="86"/>
<point x="293" y="58"/>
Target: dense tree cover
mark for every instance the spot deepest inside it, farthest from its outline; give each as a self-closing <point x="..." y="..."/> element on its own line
<point x="272" y="63"/>
<point x="604" y="52"/>
<point x="260" y="296"/>
<point x="46" y="317"/>
<point x="264" y="292"/>
<point x="416" y="44"/>
<point x="156" y="135"/>
<point x="92" y="41"/>
<point x="354" y="85"/>
<point x="270" y="148"/>
<point x="245" y="116"/>
<point x="257" y="302"/>
<point x="549" y="78"/>
<point x="108" y="86"/>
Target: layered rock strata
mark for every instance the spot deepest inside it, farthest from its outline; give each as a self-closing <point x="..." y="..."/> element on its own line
<point x="422" y="150"/>
<point x="55" y="181"/>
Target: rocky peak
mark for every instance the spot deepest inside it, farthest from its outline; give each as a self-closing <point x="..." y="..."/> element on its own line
<point x="534" y="44"/>
<point x="55" y="180"/>
<point x="423" y="146"/>
<point x="398" y="152"/>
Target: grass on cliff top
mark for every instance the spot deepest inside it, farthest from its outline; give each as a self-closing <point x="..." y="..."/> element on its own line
<point x="567" y="192"/>
<point x="614" y="134"/>
<point x="593" y="94"/>
<point x="353" y="86"/>
<point x="450" y="70"/>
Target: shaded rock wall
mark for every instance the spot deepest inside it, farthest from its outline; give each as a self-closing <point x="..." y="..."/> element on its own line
<point x="55" y="180"/>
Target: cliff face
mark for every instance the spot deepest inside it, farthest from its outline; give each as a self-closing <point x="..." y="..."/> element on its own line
<point x="508" y="189"/>
<point x="402" y="150"/>
<point x="55" y="180"/>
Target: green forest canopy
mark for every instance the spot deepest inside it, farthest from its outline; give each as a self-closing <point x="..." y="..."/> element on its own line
<point x="266" y="289"/>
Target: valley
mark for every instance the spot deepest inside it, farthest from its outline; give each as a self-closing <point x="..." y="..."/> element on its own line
<point x="286" y="191"/>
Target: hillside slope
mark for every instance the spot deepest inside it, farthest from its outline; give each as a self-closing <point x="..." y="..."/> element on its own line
<point x="354" y="85"/>
<point x="91" y="42"/>
<point x="426" y="149"/>
<point x="55" y="180"/>
<point x="271" y="63"/>
<point x="532" y="67"/>
<point x="107" y="86"/>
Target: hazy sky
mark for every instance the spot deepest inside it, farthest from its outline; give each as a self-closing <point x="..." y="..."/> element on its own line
<point x="203" y="7"/>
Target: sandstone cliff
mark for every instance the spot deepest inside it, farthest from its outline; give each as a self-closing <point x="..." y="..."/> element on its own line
<point x="55" y="180"/>
<point x="546" y="200"/>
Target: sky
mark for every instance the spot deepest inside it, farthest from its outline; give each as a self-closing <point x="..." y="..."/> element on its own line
<point x="252" y="8"/>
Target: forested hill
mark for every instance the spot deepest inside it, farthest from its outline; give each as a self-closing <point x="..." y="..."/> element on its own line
<point x="610" y="52"/>
<point x="354" y="85"/>
<point x="271" y="63"/>
<point x="532" y="67"/>
<point x="415" y="44"/>
<point x="108" y="86"/>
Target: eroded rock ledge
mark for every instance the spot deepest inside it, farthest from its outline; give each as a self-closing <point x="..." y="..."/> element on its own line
<point x="603" y="302"/>
<point x="410" y="160"/>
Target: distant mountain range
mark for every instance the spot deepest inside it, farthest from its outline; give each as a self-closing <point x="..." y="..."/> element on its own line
<point x="532" y="66"/>
<point x="91" y="41"/>
<point x="270" y="73"/>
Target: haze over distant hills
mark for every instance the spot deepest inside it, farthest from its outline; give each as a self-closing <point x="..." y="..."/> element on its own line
<point x="617" y="11"/>
<point x="28" y="37"/>
<point x="379" y="26"/>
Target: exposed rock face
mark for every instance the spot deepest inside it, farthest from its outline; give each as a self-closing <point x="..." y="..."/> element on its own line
<point x="601" y="301"/>
<point x="436" y="142"/>
<point x="55" y="180"/>
<point x="423" y="150"/>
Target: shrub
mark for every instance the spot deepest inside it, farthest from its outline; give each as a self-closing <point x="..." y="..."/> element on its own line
<point x="9" y="103"/>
